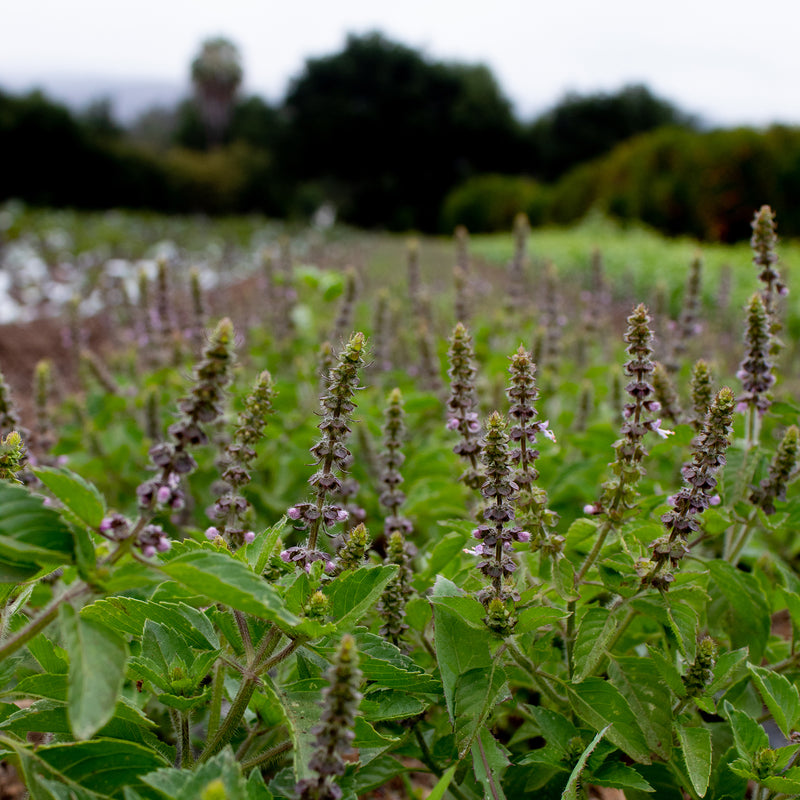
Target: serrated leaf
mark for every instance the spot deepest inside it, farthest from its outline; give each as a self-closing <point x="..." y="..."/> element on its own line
<point x="571" y="789"/>
<point x="475" y="695"/>
<point x="353" y="594"/>
<point x="101" y="766"/>
<point x="696" y="747"/>
<point x="459" y="648"/>
<point x="780" y="697"/>
<point x="97" y="657"/>
<point x="556" y="728"/>
<point x="648" y="698"/>
<point x="748" y="735"/>
<point x="668" y="671"/>
<point x="128" y="615"/>
<point x="683" y="622"/>
<point x="599" y="704"/>
<point x="748" y="619"/>
<point x="32" y="536"/>
<point x="788" y="783"/>
<point x="83" y="500"/>
<point x="536" y="617"/>
<point x="384" y="663"/>
<point x="489" y="761"/>
<point x="447" y="549"/>
<point x="595" y="631"/>
<point x="724" y="781"/>
<point x="729" y="667"/>
<point x="616" y="775"/>
<point x="221" y="771"/>
<point x="369" y="743"/>
<point x="223" y="579"/>
<point x="301" y="706"/>
<point x="389" y="704"/>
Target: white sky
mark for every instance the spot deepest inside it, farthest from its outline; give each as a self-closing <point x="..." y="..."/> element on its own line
<point x="730" y="61"/>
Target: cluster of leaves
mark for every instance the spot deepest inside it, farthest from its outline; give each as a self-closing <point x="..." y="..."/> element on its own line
<point x="218" y="668"/>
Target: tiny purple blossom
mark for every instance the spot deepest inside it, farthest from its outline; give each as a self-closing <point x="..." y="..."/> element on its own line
<point x="524" y="536"/>
<point x="286" y="556"/>
<point x="294" y="513"/>
<point x="546" y="432"/>
<point x="715" y="500"/>
<point x="163" y="544"/>
<point x="211" y="533"/>
<point x="163" y="494"/>
<point x="452" y="424"/>
<point x="249" y="536"/>
<point x="148" y="551"/>
<point x="62" y="460"/>
<point x="107" y="524"/>
<point x="341" y="515"/>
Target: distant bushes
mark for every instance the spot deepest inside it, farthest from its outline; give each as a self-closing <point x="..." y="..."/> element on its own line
<point x="488" y="203"/>
<point x="678" y="181"/>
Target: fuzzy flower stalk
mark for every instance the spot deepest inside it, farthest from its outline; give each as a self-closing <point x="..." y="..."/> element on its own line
<point x="334" y="733"/>
<point x="780" y="473"/>
<point x="392" y="605"/>
<point x="666" y="395"/>
<point x="702" y="393"/>
<point x="619" y="493"/>
<point x="525" y="428"/>
<point x="12" y="457"/>
<point x="392" y="458"/>
<point x="496" y="534"/>
<point x="763" y="243"/>
<point x="231" y="508"/>
<point x="204" y="405"/>
<point x="462" y="405"/>
<point x="331" y="455"/>
<point x="696" y="495"/>
<point x="9" y="416"/>
<point x="755" y="371"/>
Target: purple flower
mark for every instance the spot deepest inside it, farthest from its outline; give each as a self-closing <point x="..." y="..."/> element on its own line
<point x="163" y="544"/>
<point x="286" y="556"/>
<point x="294" y="513"/>
<point x="341" y="515"/>
<point x="163" y="494"/>
<point x="524" y="536"/>
<point x="211" y="533"/>
<point x="148" y="551"/>
<point x="249" y="536"/>
<point x="452" y="424"/>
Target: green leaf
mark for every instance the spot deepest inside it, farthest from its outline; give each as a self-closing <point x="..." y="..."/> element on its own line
<point x="102" y="766"/>
<point x="556" y="728"/>
<point x="616" y="775"/>
<point x="780" y="697"/>
<point x="387" y="704"/>
<point x="301" y="706"/>
<point x="729" y="668"/>
<point x="489" y="761"/>
<point x="600" y="704"/>
<point x="787" y="783"/>
<point x="696" y="746"/>
<point x="459" y="648"/>
<point x="220" y="773"/>
<point x="447" y="549"/>
<point x="31" y="535"/>
<point x="595" y="631"/>
<point x="668" y="671"/>
<point x="571" y="789"/>
<point x="369" y="743"/>
<point x="128" y="615"/>
<point x="649" y="699"/>
<point x="437" y="793"/>
<point x="536" y="617"/>
<point x="748" y="619"/>
<point x="683" y="622"/>
<point x="97" y="657"/>
<point x="475" y="695"/>
<point x="223" y="579"/>
<point x="353" y="594"/>
<point x="257" y="553"/>
<point x="748" y="735"/>
<point x="81" y="498"/>
<point x="384" y="663"/>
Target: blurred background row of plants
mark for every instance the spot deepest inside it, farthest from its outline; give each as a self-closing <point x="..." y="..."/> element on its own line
<point x="380" y="135"/>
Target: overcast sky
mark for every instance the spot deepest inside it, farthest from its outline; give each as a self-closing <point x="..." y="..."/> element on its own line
<point x="730" y="61"/>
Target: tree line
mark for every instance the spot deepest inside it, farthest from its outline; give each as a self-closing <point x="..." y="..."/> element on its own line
<point x="390" y="138"/>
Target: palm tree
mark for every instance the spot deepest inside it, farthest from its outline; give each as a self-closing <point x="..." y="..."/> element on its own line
<point x="216" y="75"/>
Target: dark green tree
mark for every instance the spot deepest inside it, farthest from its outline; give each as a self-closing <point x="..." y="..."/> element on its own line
<point x="582" y="127"/>
<point x="386" y="132"/>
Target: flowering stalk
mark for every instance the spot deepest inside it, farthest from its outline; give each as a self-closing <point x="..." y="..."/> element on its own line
<point x="755" y="371"/>
<point x="666" y="395"/>
<point x="392" y="605"/>
<point x="701" y="670"/>
<point x="462" y="404"/>
<point x="331" y="455"/>
<point x="531" y="501"/>
<point x="696" y="494"/>
<point x="495" y="535"/>
<point x="201" y="407"/>
<point x="763" y="243"/>
<point x="688" y="320"/>
<point x="461" y="275"/>
<point x="516" y="267"/>
<point x="44" y="437"/>
<point x="702" y="393"/>
<point x="334" y="733"/>
<point x="619" y="492"/>
<point x="12" y="457"/>
<point x="352" y="553"/>
<point x="392" y="459"/>
<point x="198" y="323"/>
<point x="781" y="471"/>
<point x="231" y="507"/>
<point x="9" y="416"/>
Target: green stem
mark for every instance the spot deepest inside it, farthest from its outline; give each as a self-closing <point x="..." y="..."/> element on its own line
<point x="267" y="755"/>
<point x="186" y="746"/>
<point x="739" y="539"/>
<point x="217" y="693"/>
<point x="244" y="632"/>
<point x="602" y="535"/>
<point x="621" y="628"/>
<point x="530" y="667"/>
<point x="427" y="759"/>
<point x="48" y="614"/>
